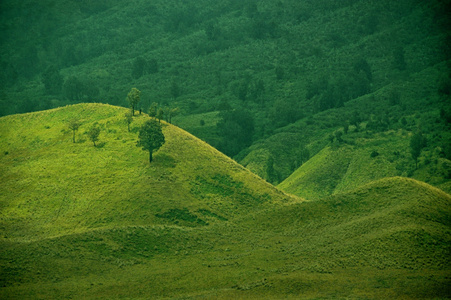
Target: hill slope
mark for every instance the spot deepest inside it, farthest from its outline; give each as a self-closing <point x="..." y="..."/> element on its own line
<point x="52" y="186"/>
<point x="388" y="239"/>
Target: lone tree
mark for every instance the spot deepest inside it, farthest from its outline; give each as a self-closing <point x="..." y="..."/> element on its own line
<point x="133" y="99"/>
<point x="160" y="114"/>
<point x="128" y="119"/>
<point x="151" y="137"/>
<point x="74" y="124"/>
<point x="93" y="134"/>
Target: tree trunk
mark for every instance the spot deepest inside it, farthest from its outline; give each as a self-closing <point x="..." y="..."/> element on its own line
<point x="73" y="138"/>
<point x="150" y="157"/>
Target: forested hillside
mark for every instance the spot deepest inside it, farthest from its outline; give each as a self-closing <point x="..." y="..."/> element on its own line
<point x="270" y="83"/>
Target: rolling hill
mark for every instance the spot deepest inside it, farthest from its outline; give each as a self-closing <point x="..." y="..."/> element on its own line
<point x="79" y="221"/>
<point x="112" y="184"/>
<point x="301" y="69"/>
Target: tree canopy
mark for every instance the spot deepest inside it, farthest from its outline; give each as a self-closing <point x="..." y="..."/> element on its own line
<point x="151" y="137"/>
<point x="133" y="98"/>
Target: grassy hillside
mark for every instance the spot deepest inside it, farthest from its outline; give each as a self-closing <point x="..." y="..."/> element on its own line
<point x="387" y="239"/>
<point x="300" y="69"/>
<point x="52" y="186"/>
<point x="347" y="165"/>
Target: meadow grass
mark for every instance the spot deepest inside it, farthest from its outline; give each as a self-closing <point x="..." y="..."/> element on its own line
<point x="79" y="221"/>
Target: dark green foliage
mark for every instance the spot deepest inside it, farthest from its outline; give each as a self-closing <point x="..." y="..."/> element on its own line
<point x="72" y="89"/>
<point x="152" y="66"/>
<point x="151" y="137"/>
<point x="362" y="65"/>
<point x="153" y="110"/>
<point x="284" y="112"/>
<point x="77" y="90"/>
<point x="133" y="98"/>
<point x="399" y="61"/>
<point x="160" y="114"/>
<point x="139" y="67"/>
<point x="417" y="143"/>
<point x="273" y="177"/>
<point x="374" y="153"/>
<point x="53" y="81"/>
<point x="93" y="134"/>
<point x="236" y="129"/>
<point x="175" y="90"/>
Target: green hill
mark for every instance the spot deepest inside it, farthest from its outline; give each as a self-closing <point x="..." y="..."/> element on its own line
<point x="363" y="158"/>
<point x="51" y="186"/>
<point x="387" y="239"/>
<point x="301" y="70"/>
<point x="91" y="222"/>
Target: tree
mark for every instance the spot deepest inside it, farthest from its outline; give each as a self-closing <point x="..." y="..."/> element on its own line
<point x="128" y="119"/>
<point x="153" y="110"/>
<point x="94" y="133"/>
<point x="151" y="137"/>
<point x="133" y="99"/>
<point x="160" y="114"/>
<point x="172" y="113"/>
<point x="236" y="129"/>
<point x="417" y="142"/>
<point x="73" y="125"/>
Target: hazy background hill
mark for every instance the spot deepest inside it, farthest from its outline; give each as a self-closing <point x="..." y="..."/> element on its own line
<point x="265" y="82"/>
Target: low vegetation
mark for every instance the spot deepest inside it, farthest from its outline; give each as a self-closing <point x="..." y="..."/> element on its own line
<point x="101" y="222"/>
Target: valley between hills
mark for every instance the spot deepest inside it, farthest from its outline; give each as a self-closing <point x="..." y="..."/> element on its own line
<point x="100" y="222"/>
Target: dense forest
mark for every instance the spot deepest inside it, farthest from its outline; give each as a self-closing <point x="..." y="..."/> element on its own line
<point x="270" y="83"/>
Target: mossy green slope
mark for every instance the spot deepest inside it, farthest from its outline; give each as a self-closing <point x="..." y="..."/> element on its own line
<point x="388" y="239"/>
<point x="51" y="186"/>
<point x="343" y="167"/>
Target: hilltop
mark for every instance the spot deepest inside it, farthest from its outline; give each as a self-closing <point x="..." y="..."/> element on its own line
<point x="52" y="186"/>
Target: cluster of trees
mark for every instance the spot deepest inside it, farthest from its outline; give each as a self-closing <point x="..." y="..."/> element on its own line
<point x="236" y="129"/>
<point x="329" y="93"/>
<point x="150" y="136"/>
<point x="93" y="132"/>
<point x="72" y="88"/>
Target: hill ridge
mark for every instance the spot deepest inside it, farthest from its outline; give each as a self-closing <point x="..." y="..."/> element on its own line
<point x="189" y="183"/>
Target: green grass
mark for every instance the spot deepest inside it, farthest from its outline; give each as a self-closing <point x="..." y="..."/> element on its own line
<point x="348" y="165"/>
<point x="112" y="184"/>
<point x="102" y="223"/>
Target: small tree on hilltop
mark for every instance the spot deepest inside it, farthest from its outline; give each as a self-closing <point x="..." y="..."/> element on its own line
<point x="73" y="125"/>
<point x="93" y="134"/>
<point x="133" y="99"/>
<point x="160" y="114"/>
<point x="153" y="110"/>
<point x="151" y="137"/>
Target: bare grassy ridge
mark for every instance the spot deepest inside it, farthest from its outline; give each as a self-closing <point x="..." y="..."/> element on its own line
<point x="85" y="222"/>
